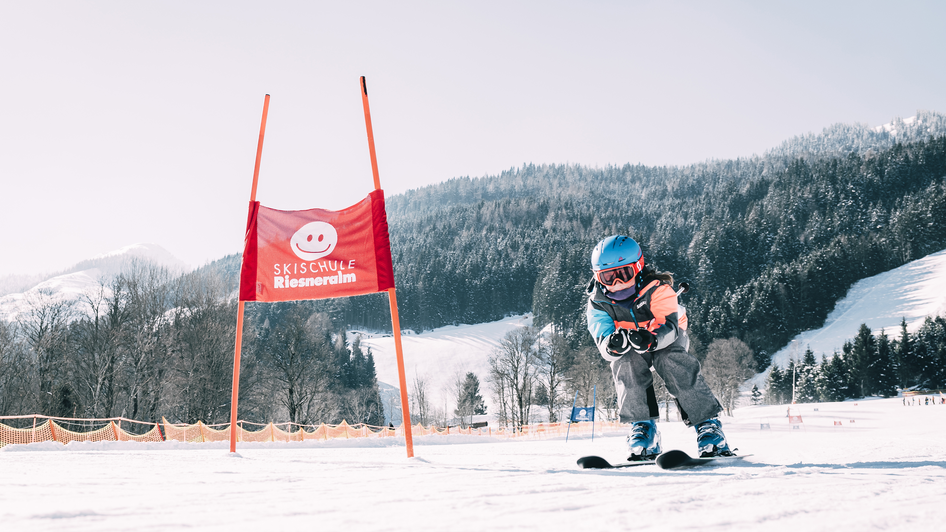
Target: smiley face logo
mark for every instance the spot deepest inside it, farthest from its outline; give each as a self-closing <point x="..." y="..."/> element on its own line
<point x="314" y="240"/>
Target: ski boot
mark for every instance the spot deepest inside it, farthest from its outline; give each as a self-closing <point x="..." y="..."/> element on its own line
<point x="643" y="443"/>
<point x="710" y="439"/>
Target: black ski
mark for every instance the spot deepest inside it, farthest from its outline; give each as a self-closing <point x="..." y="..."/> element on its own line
<point x="596" y="462"/>
<point x="680" y="460"/>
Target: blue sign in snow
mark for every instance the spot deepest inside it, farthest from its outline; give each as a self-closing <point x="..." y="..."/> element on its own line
<point x="584" y="413"/>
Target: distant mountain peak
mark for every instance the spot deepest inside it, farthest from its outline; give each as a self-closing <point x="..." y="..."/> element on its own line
<point x="841" y="139"/>
<point x="150" y="252"/>
<point x="85" y="276"/>
<point x="897" y="125"/>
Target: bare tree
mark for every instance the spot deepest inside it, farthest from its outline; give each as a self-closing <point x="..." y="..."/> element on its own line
<point x="361" y="406"/>
<point x="45" y="326"/>
<point x="297" y="354"/>
<point x="555" y="357"/>
<point x="454" y="388"/>
<point x="148" y="289"/>
<point x="588" y="374"/>
<point x="325" y="407"/>
<point x="200" y="341"/>
<point x="514" y="369"/>
<point x="727" y="365"/>
<point x="497" y="381"/>
<point x="16" y="375"/>
<point x="419" y="401"/>
<point x="98" y="353"/>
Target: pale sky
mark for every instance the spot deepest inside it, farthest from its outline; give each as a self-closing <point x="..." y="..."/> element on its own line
<point x="125" y="122"/>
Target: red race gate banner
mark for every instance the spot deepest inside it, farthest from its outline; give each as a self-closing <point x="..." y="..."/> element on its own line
<point x="316" y="254"/>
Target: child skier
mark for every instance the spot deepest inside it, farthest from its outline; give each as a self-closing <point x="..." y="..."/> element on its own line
<point x="636" y="322"/>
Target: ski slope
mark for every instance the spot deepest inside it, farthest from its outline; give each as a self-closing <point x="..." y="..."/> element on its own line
<point x="439" y="356"/>
<point x="882" y="468"/>
<point x="911" y="292"/>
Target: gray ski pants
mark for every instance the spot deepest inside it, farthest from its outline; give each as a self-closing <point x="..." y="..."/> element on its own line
<point x="634" y="384"/>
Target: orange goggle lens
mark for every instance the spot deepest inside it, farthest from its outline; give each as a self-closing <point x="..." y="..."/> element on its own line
<point x="623" y="274"/>
<point x="609" y="277"/>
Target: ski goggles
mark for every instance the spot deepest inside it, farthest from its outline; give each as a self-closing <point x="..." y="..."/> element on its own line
<point x="624" y="274"/>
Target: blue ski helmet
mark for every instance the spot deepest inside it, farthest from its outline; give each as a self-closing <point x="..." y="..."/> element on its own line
<point x="616" y="252"/>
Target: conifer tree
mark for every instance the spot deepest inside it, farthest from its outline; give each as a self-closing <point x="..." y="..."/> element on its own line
<point x="833" y="382"/>
<point x="882" y="368"/>
<point x="904" y="357"/>
<point x="469" y="400"/>
<point x="930" y="351"/>
<point x="864" y="351"/>
<point x="756" y="395"/>
<point x="775" y="393"/>
<point x="807" y="379"/>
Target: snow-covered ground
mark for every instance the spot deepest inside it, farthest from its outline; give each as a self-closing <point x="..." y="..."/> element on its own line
<point x="882" y="468"/>
<point x="866" y="465"/>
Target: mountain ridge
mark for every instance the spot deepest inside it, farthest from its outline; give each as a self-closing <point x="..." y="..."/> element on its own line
<point x="84" y="276"/>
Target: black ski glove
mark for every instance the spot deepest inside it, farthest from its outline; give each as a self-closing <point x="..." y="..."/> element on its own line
<point x="642" y="340"/>
<point x="618" y="343"/>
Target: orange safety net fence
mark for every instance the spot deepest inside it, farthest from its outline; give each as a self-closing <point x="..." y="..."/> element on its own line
<point x="32" y="429"/>
<point x="37" y="428"/>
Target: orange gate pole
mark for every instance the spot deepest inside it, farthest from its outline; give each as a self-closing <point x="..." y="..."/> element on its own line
<point x="392" y="296"/>
<point x="239" y="328"/>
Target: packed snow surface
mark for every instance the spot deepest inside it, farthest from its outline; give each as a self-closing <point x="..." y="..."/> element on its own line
<point x="883" y="467"/>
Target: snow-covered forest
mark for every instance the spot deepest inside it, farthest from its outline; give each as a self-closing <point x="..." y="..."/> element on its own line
<point x="769" y="244"/>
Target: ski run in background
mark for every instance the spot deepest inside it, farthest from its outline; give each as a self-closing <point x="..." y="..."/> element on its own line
<point x="911" y="292"/>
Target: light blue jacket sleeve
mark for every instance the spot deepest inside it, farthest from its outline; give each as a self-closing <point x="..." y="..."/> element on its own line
<point x="600" y="325"/>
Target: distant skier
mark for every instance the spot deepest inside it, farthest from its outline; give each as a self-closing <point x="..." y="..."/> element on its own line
<point x="653" y="334"/>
